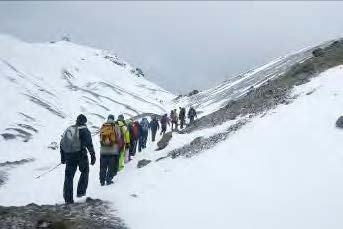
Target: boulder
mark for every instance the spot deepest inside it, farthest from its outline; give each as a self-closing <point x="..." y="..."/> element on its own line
<point x="318" y="52"/>
<point x="163" y="143"/>
<point x="194" y="92"/>
<point x="339" y="122"/>
<point x="142" y="163"/>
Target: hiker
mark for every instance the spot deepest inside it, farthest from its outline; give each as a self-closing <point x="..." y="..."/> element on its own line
<point x="144" y="132"/>
<point x="111" y="142"/>
<point x="164" y="123"/>
<point x="134" y="137"/>
<point x="74" y="144"/>
<point x="154" y="125"/>
<point x="126" y="136"/>
<point x="191" y="115"/>
<point x="182" y="117"/>
<point x="174" y="119"/>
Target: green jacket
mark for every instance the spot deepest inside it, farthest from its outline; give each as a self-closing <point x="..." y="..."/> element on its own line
<point x="124" y="131"/>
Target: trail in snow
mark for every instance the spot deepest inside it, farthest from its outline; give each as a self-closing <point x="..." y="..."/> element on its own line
<point x="282" y="170"/>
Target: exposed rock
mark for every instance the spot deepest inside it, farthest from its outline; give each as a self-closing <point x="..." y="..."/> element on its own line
<point x="200" y="144"/>
<point x="311" y="92"/>
<point x="92" y="214"/>
<point x="15" y="163"/>
<point x="3" y="177"/>
<point x="134" y="195"/>
<point x="163" y="143"/>
<point x="318" y="52"/>
<point x="194" y="92"/>
<point x="275" y="91"/>
<point x="339" y="122"/>
<point x="53" y="146"/>
<point x="142" y="163"/>
<point x="8" y="136"/>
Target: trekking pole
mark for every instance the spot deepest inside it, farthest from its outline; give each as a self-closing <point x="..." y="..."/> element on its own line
<point x="48" y="171"/>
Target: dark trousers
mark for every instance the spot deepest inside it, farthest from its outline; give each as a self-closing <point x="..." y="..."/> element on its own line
<point x="142" y="140"/>
<point x="182" y="122"/>
<point x="174" y="123"/>
<point x="163" y="129"/>
<point x="108" y="167"/>
<point x="153" y="134"/>
<point x="72" y="162"/>
<point x="191" y="119"/>
<point x="133" y="147"/>
<point x="140" y="143"/>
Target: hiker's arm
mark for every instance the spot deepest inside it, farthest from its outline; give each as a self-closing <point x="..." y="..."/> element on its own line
<point x="86" y="141"/>
<point x="63" y="160"/>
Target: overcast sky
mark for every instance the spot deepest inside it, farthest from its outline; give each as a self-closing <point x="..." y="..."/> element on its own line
<point x="180" y="45"/>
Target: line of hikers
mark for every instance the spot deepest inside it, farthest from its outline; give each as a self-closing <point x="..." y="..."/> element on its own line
<point x="175" y="117"/>
<point x="119" y="141"/>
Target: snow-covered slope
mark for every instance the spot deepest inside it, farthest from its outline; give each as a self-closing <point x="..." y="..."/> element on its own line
<point x="280" y="170"/>
<point x="44" y="86"/>
<point x="217" y="97"/>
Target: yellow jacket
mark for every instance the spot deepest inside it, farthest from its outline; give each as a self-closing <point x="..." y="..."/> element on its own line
<point x="124" y="131"/>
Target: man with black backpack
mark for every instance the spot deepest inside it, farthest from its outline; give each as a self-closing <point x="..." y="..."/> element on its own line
<point x="154" y="125"/>
<point x="144" y="132"/>
<point x="74" y="144"/>
<point x="164" y="123"/>
<point x="182" y="116"/>
<point x="191" y="115"/>
<point x="111" y="142"/>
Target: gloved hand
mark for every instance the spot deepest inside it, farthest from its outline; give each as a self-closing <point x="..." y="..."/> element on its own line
<point x="63" y="160"/>
<point x="93" y="159"/>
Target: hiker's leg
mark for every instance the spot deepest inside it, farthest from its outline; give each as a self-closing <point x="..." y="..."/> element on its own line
<point x="70" y="170"/>
<point x="83" y="181"/>
<point x="140" y="143"/>
<point x="153" y="133"/>
<point x="111" y="169"/>
<point x="103" y="169"/>
<point x="115" y="165"/>
<point x="191" y="119"/>
<point x="121" y="159"/>
<point x="145" y="138"/>
<point x="135" y="142"/>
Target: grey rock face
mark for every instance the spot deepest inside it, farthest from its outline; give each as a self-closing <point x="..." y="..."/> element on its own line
<point x="163" y="143"/>
<point x="200" y="144"/>
<point x="93" y="214"/>
<point x="339" y="122"/>
<point x="142" y="163"/>
<point x="273" y="92"/>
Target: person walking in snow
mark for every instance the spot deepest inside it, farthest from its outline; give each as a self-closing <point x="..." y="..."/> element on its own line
<point x="182" y="117"/>
<point x="164" y="123"/>
<point x="191" y="115"/>
<point x="144" y="124"/>
<point x="175" y="120"/>
<point x="154" y="125"/>
<point x="75" y="143"/>
<point x="111" y="142"/>
<point x="134" y="137"/>
<point x="126" y="136"/>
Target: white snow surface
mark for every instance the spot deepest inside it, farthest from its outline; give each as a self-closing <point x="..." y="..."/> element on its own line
<point x="281" y="170"/>
<point x="46" y="85"/>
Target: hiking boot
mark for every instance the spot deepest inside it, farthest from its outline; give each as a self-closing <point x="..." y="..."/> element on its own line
<point x="69" y="202"/>
<point x="80" y="195"/>
<point x="109" y="182"/>
<point x="102" y="183"/>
